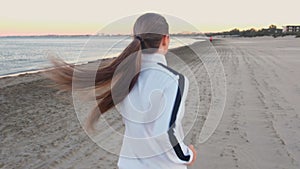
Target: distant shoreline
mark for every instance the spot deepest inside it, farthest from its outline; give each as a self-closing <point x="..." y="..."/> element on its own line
<point x="89" y="35"/>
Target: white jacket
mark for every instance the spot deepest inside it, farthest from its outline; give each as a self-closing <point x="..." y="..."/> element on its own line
<point x="152" y="114"/>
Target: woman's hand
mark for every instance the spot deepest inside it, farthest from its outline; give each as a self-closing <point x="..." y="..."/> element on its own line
<point x="194" y="155"/>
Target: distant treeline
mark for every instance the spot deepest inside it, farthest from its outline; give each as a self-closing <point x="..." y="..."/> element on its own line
<point x="271" y="31"/>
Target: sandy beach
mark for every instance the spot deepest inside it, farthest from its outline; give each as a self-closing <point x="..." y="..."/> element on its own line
<point x="260" y="127"/>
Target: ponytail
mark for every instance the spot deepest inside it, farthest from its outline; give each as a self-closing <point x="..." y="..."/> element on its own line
<point x="122" y="70"/>
<point x="115" y="80"/>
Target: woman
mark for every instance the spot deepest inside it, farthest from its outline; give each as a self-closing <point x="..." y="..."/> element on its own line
<point x="149" y="95"/>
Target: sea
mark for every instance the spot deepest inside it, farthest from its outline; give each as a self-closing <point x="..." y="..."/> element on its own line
<point x="27" y="54"/>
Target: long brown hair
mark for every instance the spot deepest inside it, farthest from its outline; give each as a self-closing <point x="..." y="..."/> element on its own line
<point x="115" y="79"/>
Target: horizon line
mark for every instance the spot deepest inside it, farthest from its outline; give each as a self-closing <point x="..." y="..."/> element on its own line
<point x="128" y="34"/>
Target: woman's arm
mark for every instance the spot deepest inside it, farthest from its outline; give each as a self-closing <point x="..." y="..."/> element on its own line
<point x="176" y="94"/>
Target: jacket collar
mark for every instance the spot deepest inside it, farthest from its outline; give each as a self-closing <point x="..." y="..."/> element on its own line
<point x="153" y="58"/>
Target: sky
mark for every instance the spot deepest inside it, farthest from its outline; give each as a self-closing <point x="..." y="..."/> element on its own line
<point x="72" y="17"/>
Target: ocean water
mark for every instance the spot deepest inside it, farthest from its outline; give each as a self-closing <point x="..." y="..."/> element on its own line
<point x="26" y="54"/>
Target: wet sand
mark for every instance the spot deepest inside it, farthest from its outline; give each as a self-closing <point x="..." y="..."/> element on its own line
<point x="260" y="127"/>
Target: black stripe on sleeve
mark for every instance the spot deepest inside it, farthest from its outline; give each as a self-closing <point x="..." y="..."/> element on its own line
<point x="172" y="137"/>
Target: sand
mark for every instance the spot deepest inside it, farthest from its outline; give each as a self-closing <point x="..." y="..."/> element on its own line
<point x="260" y="127"/>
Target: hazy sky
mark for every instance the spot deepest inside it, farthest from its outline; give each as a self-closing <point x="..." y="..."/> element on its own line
<point x="35" y="17"/>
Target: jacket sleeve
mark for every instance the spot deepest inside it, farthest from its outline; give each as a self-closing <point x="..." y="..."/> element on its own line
<point x="176" y="93"/>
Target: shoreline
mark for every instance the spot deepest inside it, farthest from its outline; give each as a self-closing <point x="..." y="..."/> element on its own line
<point x="24" y="73"/>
